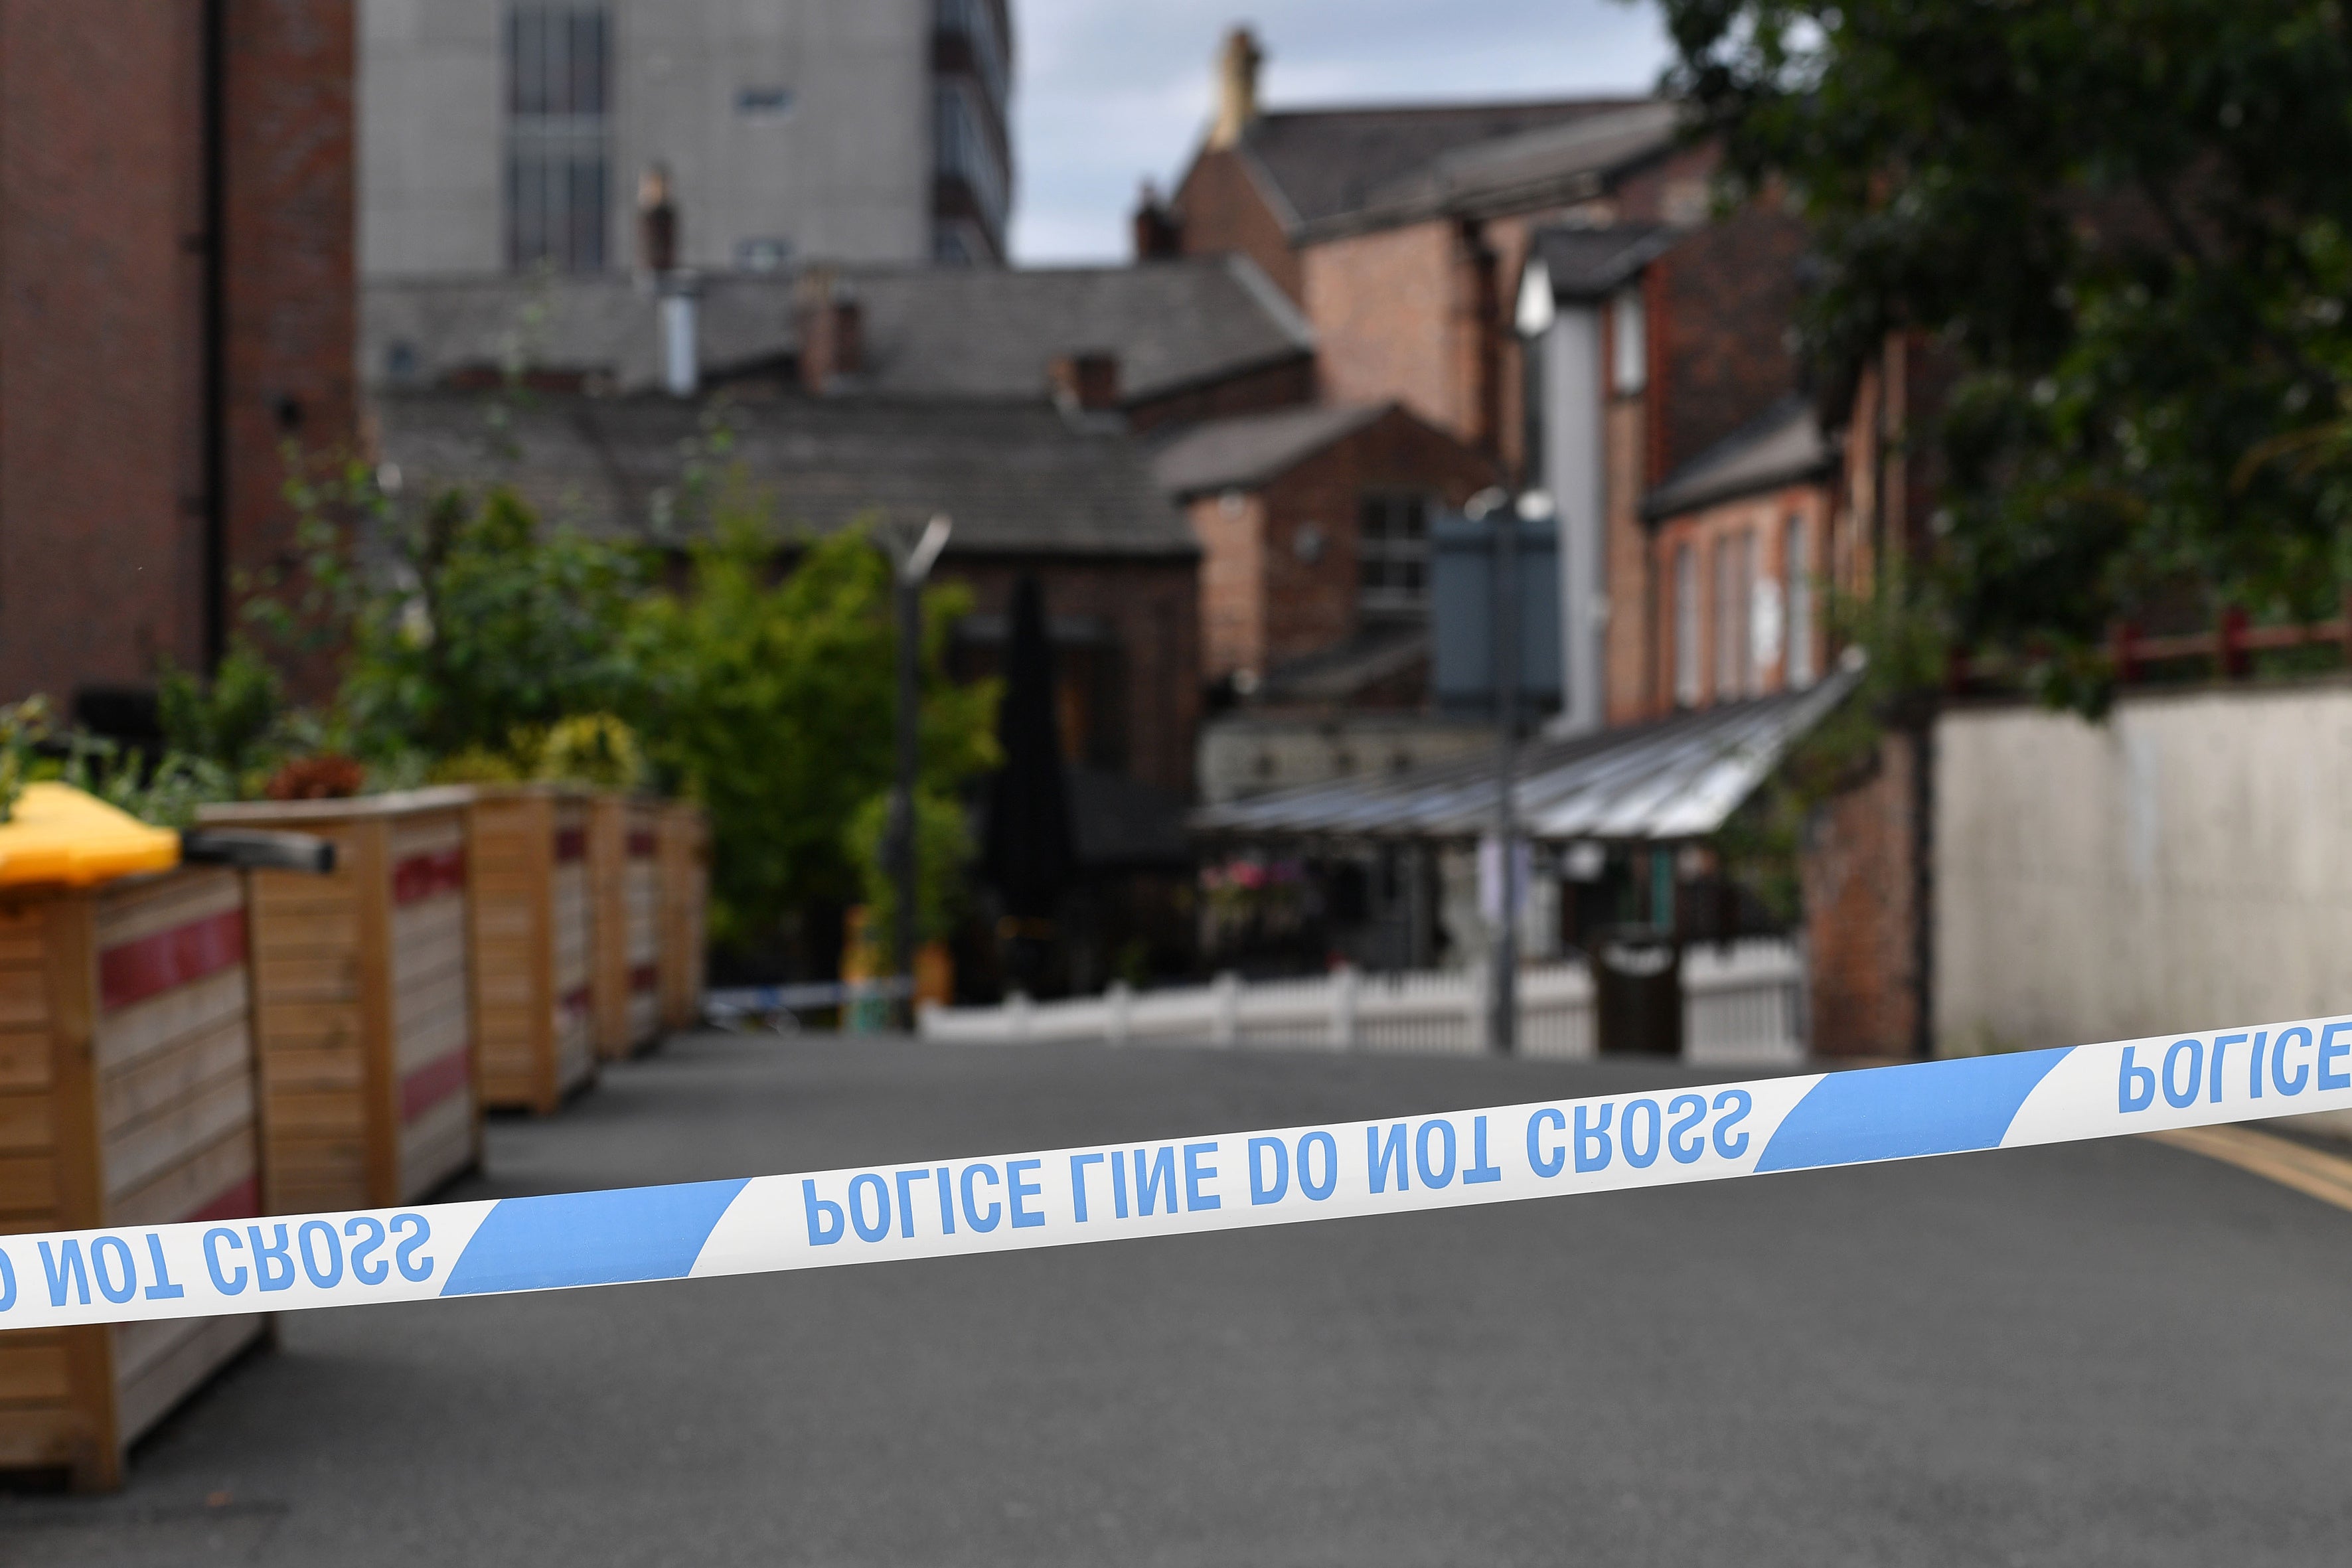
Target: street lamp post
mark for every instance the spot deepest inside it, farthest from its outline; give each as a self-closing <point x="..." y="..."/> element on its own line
<point x="910" y="568"/>
<point x="1503" y="993"/>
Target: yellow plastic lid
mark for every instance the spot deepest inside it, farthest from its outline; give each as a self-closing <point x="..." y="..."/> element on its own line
<point x="62" y="835"/>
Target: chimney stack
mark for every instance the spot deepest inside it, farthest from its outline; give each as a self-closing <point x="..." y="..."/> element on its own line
<point x="1237" y="64"/>
<point x="1158" y="234"/>
<point x="832" y="332"/>
<point x="1085" y="383"/>
<point x="658" y="234"/>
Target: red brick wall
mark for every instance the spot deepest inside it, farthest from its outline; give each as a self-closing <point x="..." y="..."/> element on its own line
<point x="1385" y="307"/>
<point x="1858" y="873"/>
<point x="1152" y="607"/>
<point x="1220" y="207"/>
<point x="1633" y="585"/>
<point x="102" y="290"/>
<point x="1312" y="604"/>
<point x="1721" y="305"/>
<point x="1263" y="602"/>
<point x="100" y="343"/>
<point x="1231" y="528"/>
<point x="1763" y="516"/>
<point x="292" y="281"/>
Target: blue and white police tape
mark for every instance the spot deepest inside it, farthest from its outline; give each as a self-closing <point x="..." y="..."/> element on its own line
<point x="1102" y="1193"/>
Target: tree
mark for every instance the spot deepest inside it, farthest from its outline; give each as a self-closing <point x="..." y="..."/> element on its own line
<point x="2129" y="226"/>
<point x="768" y="701"/>
<point x="499" y="628"/>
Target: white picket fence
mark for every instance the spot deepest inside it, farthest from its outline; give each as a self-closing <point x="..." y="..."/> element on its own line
<point x="1742" y="1002"/>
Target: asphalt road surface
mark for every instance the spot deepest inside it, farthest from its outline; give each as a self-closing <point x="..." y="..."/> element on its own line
<point x="2103" y="1354"/>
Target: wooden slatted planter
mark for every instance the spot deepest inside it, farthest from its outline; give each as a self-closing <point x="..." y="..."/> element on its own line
<point x="685" y="913"/>
<point x="126" y="1100"/>
<point x="363" y="1016"/>
<point x="625" y="869"/>
<point x="533" y="940"/>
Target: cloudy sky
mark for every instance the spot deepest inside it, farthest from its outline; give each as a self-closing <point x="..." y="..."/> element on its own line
<point x="1111" y="91"/>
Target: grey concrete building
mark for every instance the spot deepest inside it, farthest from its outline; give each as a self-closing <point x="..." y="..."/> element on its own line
<point x="511" y="134"/>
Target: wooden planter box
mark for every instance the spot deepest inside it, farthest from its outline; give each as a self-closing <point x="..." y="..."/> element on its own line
<point x="685" y="913"/>
<point x="625" y="869"/>
<point x="362" y="1014"/>
<point x="126" y="1098"/>
<point x="533" y="923"/>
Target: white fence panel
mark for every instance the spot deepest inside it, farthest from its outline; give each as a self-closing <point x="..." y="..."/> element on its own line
<point x="1743" y="1003"/>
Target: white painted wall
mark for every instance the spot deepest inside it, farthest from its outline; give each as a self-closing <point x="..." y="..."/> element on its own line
<point x="2186" y="864"/>
<point x="1574" y="474"/>
<point x="432" y="123"/>
<point x="843" y="175"/>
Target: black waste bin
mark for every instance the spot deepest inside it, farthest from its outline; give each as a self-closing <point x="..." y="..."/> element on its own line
<point x="1637" y="975"/>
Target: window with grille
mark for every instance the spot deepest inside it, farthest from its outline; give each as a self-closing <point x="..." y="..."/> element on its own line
<point x="1735" y="576"/>
<point x="1797" y="577"/>
<point x="1629" y="341"/>
<point x="1392" y="551"/>
<point x="1687" y="684"/>
<point x="558" y="135"/>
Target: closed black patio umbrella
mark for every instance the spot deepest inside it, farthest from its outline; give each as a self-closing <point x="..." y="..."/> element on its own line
<point x="1027" y="855"/>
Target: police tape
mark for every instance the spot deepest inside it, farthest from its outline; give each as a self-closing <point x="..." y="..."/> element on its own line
<point x="1176" y="1186"/>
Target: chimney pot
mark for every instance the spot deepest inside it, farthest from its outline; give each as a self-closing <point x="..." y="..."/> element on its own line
<point x="657" y="222"/>
<point x="833" y="337"/>
<point x="1085" y="383"/>
<point x="1237" y="66"/>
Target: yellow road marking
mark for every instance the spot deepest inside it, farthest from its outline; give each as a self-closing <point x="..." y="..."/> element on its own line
<point x="2327" y="1177"/>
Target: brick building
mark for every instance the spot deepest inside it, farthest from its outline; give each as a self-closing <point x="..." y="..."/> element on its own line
<point x="1313" y="524"/>
<point x="176" y="302"/>
<point x="1400" y="230"/>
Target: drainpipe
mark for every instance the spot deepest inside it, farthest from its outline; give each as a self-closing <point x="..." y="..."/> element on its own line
<point x="213" y="416"/>
<point x="681" y="367"/>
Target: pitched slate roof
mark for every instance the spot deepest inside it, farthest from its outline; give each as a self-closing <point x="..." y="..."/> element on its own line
<point x="989" y="332"/>
<point x="1781" y="446"/>
<point x="1018" y="478"/>
<point x="1547" y="164"/>
<point x="1246" y="450"/>
<point x="1318" y="164"/>
<point x="1582" y="263"/>
<point x="927" y="332"/>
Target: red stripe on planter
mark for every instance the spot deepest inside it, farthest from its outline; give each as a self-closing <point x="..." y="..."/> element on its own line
<point x="641" y="845"/>
<point x="644" y="977"/>
<point x="435" y="1081"/>
<point x="428" y="876"/>
<point x="572" y="844"/>
<point x="151" y="965"/>
<point x="242" y="1201"/>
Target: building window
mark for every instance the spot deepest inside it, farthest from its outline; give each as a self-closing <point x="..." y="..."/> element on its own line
<point x="1392" y="551"/>
<point x="1629" y="349"/>
<point x="1685" y="625"/>
<point x="559" y="158"/>
<point x="961" y="150"/>
<point x="1797" y="582"/>
<point x="1735" y="576"/>
<point x="974" y="21"/>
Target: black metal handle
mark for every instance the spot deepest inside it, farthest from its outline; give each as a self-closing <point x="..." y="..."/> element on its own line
<point x="253" y="849"/>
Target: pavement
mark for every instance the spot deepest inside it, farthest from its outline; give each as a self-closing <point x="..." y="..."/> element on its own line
<point x="2121" y="1353"/>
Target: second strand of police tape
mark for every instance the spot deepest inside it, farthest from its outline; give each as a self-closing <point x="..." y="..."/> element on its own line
<point x="1066" y="1197"/>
